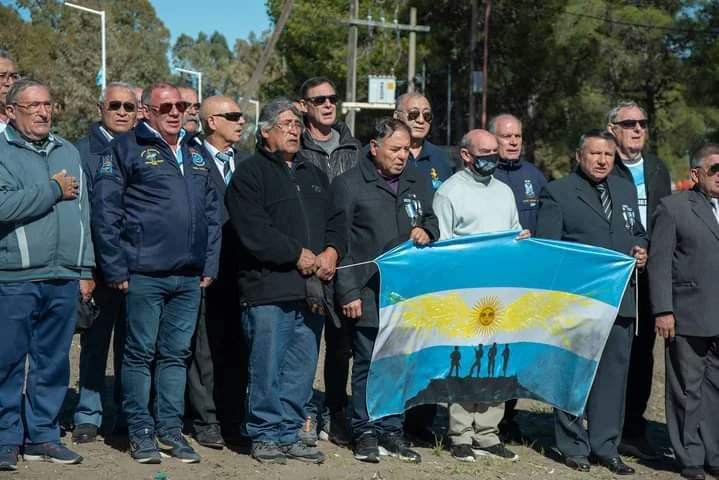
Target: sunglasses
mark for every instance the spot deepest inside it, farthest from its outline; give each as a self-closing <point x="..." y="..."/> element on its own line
<point x="115" y="105"/>
<point x="321" y="99"/>
<point x="713" y="170"/>
<point x="165" y="108"/>
<point x="413" y="115"/>
<point x="229" y="116"/>
<point x="628" y="124"/>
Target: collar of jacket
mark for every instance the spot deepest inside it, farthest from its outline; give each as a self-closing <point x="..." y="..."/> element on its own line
<point x="277" y="156"/>
<point x="17" y="139"/>
<point x="509" y="164"/>
<point x="146" y="134"/>
<point x="346" y="138"/>
<point x="370" y="173"/>
<point x="97" y="139"/>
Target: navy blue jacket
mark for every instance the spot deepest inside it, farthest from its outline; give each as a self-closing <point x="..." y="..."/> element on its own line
<point x="526" y="182"/>
<point x="147" y="217"/>
<point x="91" y="148"/>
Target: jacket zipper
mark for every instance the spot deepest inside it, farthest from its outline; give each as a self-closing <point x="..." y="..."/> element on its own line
<point x="187" y="194"/>
<point x="302" y="205"/>
<point x="82" y="227"/>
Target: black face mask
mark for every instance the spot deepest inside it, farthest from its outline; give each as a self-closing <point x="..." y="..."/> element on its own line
<point x="485" y="165"/>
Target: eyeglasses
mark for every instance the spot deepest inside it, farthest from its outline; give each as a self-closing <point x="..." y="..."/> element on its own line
<point x="413" y="115"/>
<point x="712" y="170"/>
<point x="5" y="76"/>
<point x="34" y="107"/>
<point x="229" y="116"/>
<point x="321" y="99"/>
<point x="115" y="105"/>
<point x="289" y="125"/>
<point x="629" y="124"/>
<point x="165" y="108"/>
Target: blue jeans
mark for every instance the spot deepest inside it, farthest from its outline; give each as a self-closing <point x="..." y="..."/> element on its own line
<point x="283" y="341"/>
<point x="38" y="321"/>
<point x="161" y="318"/>
<point x="95" y="345"/>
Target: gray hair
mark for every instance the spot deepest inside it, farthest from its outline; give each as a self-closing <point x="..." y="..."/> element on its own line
<point x="385" y="127"/>
<point x="700" y="155"/>
<point x="614" y="112"/>
<point x="6" y="55"/>
<point x="20" y="86"/>
<point x="103" y="94"/>
<point x="595" y="133"/>
<point x="406" y="96"/>
<point x="466" y="142"/>
<point x="270" y="111"/>
<point x="492" y="125"/>
<point x="146" y="98"/>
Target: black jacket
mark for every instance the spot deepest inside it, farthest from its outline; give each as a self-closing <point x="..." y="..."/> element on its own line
<point x="276" y="212"/>
<point x="570" y="210"/>
<point x="342" y="159"/>
<point x="657" y="182"/>
<point x="376" y="222"/>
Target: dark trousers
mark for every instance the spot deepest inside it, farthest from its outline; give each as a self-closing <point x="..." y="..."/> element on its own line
<point x="38" y="321"/>
<point x="217" y="376"/>
<point x="338" y="352"/>
<point x="692" y="399"/>
<point x="641" y="367"/>
<point x="363" y="339"/>
<point x="605" y="405"/>
<point x="95" y="346"/>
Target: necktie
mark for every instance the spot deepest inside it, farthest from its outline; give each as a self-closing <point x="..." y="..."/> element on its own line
<point x="715" y="208"/>
<point x="226" y="159"/>
<point x="605" y="199"/>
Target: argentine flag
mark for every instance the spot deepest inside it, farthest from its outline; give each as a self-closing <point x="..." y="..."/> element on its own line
<point x="486" y="318"/>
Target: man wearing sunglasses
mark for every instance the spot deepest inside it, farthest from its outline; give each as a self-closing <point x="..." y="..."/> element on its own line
<point x="683" y="264"/>
<point x="433" y="163"/>
<point x="627" y="122"/>
<point x="156" y="221"/>
<point x="329" y="145"/>
<point x="117" y="108"/>
<point x="191" y="116"/>
<point x="217" y="376"/>
<point x="8" y="76"/>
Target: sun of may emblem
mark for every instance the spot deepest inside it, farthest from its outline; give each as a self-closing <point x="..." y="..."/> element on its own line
<point x="487" y="313"/>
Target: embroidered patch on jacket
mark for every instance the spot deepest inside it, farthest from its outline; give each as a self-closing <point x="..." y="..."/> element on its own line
<point x="152" y="157"/>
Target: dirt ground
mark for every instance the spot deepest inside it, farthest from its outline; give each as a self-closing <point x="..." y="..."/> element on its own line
<point x="108" y="458"/>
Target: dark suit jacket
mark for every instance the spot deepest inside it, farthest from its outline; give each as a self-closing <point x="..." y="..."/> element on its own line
<point x="376" y="222"/>
<point x="657" y="182"/>
<point x="570" y="210"/>
<point x="684" y="262"/>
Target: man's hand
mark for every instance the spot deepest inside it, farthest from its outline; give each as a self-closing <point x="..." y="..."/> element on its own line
<point x="86" y="289"/>
<point x="664" y="325"/>
<point x="419" y="236"/>
<point x="69" y="186"/>
<point x="326" y="263"/>
<point x="523" y="235"/>
<point x="206" y="282"/>
<point x="640" y="254"/>
<point x="306" y="263"/>
<point x="353" y="309"/>
<point x="121" y="286"/>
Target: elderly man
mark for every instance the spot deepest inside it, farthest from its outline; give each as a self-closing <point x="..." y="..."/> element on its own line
<point x="432" y="162"/>
<point x="682" y="270"/>
<point x="591" y="206"/>
<point x="217" y="377"/>
<point x="289" y="234"/>
<point x="473" y="201"/>
<point x="330" y="146"/>
<point x="117" y="108"/>
<point x="191" y="116"/>
<point x="526" y="181"/>
<point x="628" y="123"/>
<point x="157" y="228"/>
<point x="46" y="266"/>
<point x="8" y="76"/>
<point x="377" y="198"/>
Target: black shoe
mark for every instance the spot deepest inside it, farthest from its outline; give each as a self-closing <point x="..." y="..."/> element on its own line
<point x="84" y="433"/>
<point x="694" y="473"/>
<point x="210" y="436"/>
<point x="510" y="432"/>
<point x="497" y="451"/>
<point x="580" y="464"/>
<point x="638" y="447"/>
<point x="713" y="471"/>
<point x="366" y="448"/>
<point x="393" y="445"/>
<point x="463" y="452"/>
<point x="615" y="465"/>
<point x="337" y="431"/>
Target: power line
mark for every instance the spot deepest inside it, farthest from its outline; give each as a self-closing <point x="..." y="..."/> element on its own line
<point x="640" y="25"/>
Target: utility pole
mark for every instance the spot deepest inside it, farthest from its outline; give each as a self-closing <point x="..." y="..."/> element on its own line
<point x="251" y="86"/>
<point x="355" y="22"/>
<point x="472" y="46"/>
<point x="485" y="60"/>
<point x="352" y="64"/>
